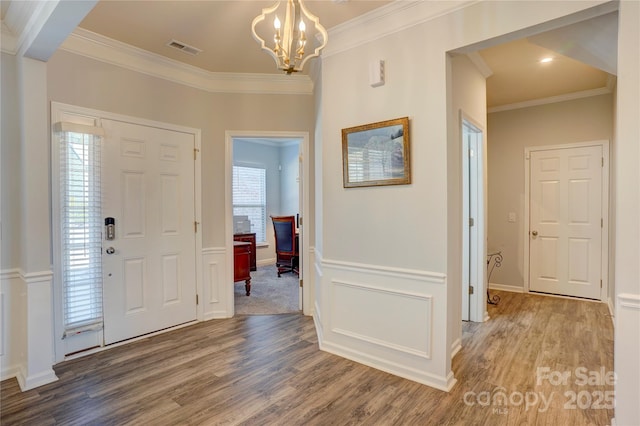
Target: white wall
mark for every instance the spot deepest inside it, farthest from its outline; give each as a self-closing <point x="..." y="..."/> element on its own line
<point x="401" y="233"/>
<point x="289" y="180"/>
<point x="384" y="287"/>
<point x="12" y="332"/>
<point x="11" y="302"/>
<point x="10" y="137"/>
<point x="509" y="133"/>
<point x="627" y="264"/>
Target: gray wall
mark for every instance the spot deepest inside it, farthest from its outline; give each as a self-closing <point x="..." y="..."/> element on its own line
<point x="289" y="188"/>
<point x="10" y="167"/>
<point x="509" y="132"/>
<point x="85" y="82"/>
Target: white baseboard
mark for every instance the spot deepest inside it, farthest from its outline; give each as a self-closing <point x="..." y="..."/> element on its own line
<point x="419" y="376"/>
<point x="9" y="372"/>
<point x="455" y="347"/>
<point x="611" y="311"/>
<point x="504" y="287"/>
<point x="317" y="321"/>
<point x="216" y="315"/>
<point x="266" y="262"/>
<point x="30" y="382"/>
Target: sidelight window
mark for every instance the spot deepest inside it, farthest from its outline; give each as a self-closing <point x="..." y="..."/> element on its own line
<point x="80" y="229"/>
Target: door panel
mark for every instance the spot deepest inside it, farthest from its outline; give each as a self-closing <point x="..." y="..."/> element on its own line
<point x="149" y="280"/>
<point x="565" y="221"/>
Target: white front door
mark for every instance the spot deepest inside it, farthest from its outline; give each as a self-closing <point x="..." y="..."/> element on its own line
<point x="149" y="280"/>
<point x="565" y="231"/>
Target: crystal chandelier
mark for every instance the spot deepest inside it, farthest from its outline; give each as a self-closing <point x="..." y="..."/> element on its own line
<point x="292" y="41"/>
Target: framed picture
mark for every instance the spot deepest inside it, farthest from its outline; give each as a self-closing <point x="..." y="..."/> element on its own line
<point x="376" y="154"/>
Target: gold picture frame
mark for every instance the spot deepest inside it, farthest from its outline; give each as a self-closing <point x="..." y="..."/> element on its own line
<point x="376" y="154"/>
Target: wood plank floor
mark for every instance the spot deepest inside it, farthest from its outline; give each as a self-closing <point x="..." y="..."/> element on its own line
<point x="267" y="370"/>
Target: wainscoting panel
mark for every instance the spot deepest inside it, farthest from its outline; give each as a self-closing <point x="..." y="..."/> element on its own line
<point x="12" y="326"/>
<point x="389" y="318"/>
<point x="627" y="350"/>
<point x="215" y="288"/>
<point x="363" y="320"/>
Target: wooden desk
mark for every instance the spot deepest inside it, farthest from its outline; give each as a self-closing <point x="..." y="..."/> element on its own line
<point x="249" y="238"/>
<point x="241" y="262"/>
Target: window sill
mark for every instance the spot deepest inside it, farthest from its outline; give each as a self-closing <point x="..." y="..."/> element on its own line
<point x="262" y="245"/>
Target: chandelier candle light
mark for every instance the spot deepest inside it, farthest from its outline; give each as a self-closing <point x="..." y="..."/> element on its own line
<point x="290" y="40"/>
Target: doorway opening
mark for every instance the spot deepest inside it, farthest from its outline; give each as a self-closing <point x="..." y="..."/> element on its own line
<point x="266" y="177"/>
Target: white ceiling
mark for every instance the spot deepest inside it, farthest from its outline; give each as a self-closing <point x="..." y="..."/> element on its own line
<point x="584" y="53"/>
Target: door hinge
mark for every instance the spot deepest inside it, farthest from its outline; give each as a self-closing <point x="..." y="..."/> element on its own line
<point x="301" y="285"/>
<point x="197" y="300"/>
<point x="471" y="221"/>
<point x="195" y="226"/>
<point x="600" y="283"/>
<point x="300" y="221"/>
<point x="601" y="223"/>
<point x="195" y="153"/>
<point x="602" y="161"/>
<point x="470" y="152"/>
<point x="470" y="289"/>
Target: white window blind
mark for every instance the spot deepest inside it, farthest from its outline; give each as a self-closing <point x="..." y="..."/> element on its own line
<point x="368" y="164"/>
<point x="81" y="233"/>
<point x="250" y="197"/>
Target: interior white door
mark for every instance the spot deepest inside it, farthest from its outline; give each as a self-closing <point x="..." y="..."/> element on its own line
<point x="300" y="226"/>
<point x="466" y="216"/>
<point x="565" y="234"/>
<point x="149" y="280"/>
<point x="473" y="201"/>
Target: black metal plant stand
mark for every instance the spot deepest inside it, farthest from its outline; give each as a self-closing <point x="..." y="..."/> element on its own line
<point x="496" y="258"/>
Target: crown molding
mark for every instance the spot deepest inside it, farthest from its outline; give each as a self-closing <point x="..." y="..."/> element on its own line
<point x="24" y="20"/>
<point x="480" y="63"/>
<point x="386" y="20"/>
<point x="8" y="41"/>
<point x="104" y="49"/>
<point x="552" y="100"/>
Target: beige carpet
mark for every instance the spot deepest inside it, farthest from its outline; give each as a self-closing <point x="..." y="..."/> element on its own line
<point x="269" y="294"/>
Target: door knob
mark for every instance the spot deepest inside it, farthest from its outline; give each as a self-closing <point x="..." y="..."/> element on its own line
<point x="110" y="250"/>
<point x="534" y="233"/>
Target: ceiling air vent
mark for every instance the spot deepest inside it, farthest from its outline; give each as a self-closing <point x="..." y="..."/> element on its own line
<point x="190" y="50"/>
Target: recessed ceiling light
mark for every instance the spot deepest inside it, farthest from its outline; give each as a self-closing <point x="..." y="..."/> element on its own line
<point x="546" y="60"/>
